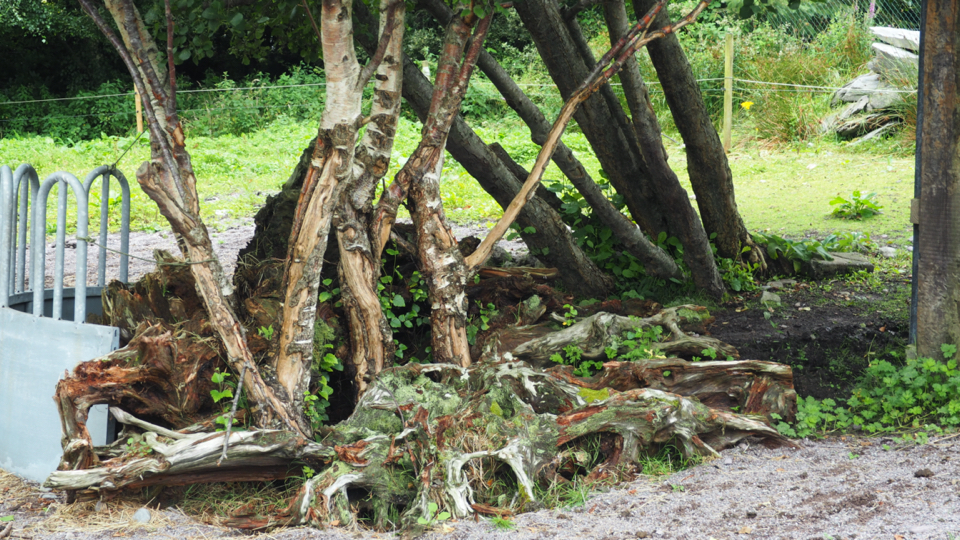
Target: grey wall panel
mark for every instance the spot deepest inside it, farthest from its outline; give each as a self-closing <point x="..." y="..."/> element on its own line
<point x="34" y="353"/>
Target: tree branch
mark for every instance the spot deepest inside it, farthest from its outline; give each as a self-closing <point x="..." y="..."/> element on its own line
<point x="377" y="57"/>
<point x="608" y="66"/>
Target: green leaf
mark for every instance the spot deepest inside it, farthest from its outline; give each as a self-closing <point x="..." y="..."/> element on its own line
<point x="237" y="19"/>
<point x="184" y="54"/>
<point x="479" y="11"/>
<point x="399" y="301"/>
<point x="7" y="518"/>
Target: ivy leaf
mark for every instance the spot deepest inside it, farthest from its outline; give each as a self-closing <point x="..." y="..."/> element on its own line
<point x="399" y="301"/>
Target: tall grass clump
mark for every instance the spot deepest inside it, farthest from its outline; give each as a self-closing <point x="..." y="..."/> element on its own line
<point x="790" y="114"/>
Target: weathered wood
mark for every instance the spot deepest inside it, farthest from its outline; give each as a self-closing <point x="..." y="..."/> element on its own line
<point x="937" y="244"/>
<point x="595" y="334"/>
<point x="898" y="37"/>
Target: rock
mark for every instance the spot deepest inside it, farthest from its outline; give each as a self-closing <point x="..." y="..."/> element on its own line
<point x="894" y="63"/>
<point x="923" y="473"/>
<point x="48" y="496"/>
<point x="905" y="39"/>
<point x="781" y="283"/>
<point x="99" y="506"/>
<point x="919" y="529"/>
<point x="142" y="515"/>
<point x="643" y="534"/>
<point x="888" y="252"/>
<point x="875" y="134"/>
<point x="862" y="86"/>
<point x="770" y="298"/>
<point x="751" y="514"/>
<point x="728" y="461"/>
<point x="857" y="106"/>
<point x="842" y="263"/>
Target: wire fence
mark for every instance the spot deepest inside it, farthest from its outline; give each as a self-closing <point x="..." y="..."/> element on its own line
<point x="814" y="17"/>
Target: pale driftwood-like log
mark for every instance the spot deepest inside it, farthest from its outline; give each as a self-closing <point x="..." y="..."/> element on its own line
<point x="193" y="454"/>
<point x="601" y="331"/>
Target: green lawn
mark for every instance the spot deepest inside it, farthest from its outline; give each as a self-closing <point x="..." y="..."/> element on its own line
<point x="784" y="190"/>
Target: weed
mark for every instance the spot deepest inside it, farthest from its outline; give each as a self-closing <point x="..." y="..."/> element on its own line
<point x="266" y="332"/>
<point x="502" y="523"/>
<point x="432" y="517"/>
<point x="857" y="207"/>
<point x="922" y="395"/>
<point x="222" y="395"/>
<point x="137" y="446"/>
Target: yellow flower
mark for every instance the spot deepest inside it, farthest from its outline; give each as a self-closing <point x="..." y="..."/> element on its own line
<point x="746" y="105"/>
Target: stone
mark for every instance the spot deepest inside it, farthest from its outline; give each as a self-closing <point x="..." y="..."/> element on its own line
<point x="860" y="87"/>
<point x="142" y="516"/>
<point x="857" y="106"/>
<point x="842" y="263"/>
<point x="728" y="461"/>
<point x="48" y="496"/>
<point x="781" y="284"/>
<point x="643" y="534"/>
<point x="876" y="134"/>
<point x="770" y="298"/>
<point x="905" y="39"/>
<point x="894" y="63"/>
<point x="888" y="252"/>
<point x="923" y="473"/>
<point x="920" y="529"/>
<point x="751" y="514"/>
<point x="99" y="507"/>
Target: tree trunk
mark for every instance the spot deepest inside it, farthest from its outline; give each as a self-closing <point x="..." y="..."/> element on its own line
<point x="707" y="164"/>
<point x="937" y="256"/>
<point x="655" y="260"/>
<point x="371" y="340"/>
<point x="618" y="157"/>
<point x="169" y="180"/>
<point x="684" y="221"/>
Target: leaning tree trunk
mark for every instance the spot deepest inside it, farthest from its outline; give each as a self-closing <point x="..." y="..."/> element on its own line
<point x="707" y="164"/>
<point x="655" y="260"/>
<point x="683" y="219"/>
<point x="618" y="157"/>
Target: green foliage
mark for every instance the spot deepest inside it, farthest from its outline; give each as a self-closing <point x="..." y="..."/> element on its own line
<point x="137" y="446"/>
<point x="637" y="343"/>
<point x="502" y="523"/>
<point x="573" y="356"/>
<point x="316" y="401"/>
<point x="590" y="396"/>
<point x="857" y="207"/>
<point x="481" y="322"/>
<point x="223" y="395"/>
<point x="921" y="394"/>
<point x="266" y="332"/>
<point x="432" y="517"/>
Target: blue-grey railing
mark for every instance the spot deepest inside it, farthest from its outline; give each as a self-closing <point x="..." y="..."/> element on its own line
<point x="23" y="201"/>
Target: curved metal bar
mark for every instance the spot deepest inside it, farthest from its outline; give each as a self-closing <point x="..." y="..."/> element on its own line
<point x="106" y="172"/>
<point x="27" y="193"/>
<point x="37" y="244"/>
<point x="6" y="233"/>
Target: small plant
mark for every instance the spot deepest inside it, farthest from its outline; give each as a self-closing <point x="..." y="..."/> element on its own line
<point x="222" y="395"/>
<point x="481" y="322"/>
<point x="677" y="488"/>
<point x="570" y="315"/>
<point x="308" y="472"/>
<point x="432" y="517"/>
<point x="266" y="332"/>
<point x="858" y="207"/>
<point x="137" y="446"/>
<point x="573" y="356"/>
<point x="502" y="523"/>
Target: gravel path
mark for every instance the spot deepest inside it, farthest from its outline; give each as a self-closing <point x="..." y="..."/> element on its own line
<point x="848" y="488"/>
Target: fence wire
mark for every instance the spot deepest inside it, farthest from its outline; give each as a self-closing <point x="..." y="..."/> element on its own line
<point x="815" y="17"/>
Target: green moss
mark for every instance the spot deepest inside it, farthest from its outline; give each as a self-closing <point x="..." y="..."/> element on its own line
<point x="594" y="395"/>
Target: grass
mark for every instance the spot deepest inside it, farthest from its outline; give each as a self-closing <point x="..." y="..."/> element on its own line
<point x="782" y="189"/>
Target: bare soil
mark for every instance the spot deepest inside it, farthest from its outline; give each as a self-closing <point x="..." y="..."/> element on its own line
<point x="842" y="487"/>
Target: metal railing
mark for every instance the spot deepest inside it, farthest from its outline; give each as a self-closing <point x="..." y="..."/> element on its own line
<point x="23" y="201"/>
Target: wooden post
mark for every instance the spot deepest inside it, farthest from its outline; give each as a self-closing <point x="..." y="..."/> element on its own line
<point x="937" y="253"/>
<point x="136" y="97"/>
<point x="727" y="91"/>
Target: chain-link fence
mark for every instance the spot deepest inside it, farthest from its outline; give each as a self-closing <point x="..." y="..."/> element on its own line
<point x="815" y="16"/>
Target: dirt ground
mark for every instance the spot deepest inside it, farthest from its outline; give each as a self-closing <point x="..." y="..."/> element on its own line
<point x="848" y="487"/>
